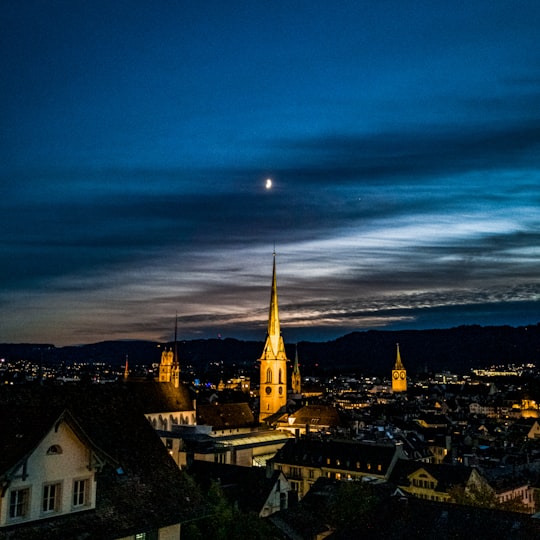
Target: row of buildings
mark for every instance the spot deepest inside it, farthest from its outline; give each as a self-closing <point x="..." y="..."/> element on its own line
<point x="118" y="461"/>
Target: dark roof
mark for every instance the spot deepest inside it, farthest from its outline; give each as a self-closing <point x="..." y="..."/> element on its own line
<point x="156" y="397"/>
<point x="111" y="418"/>
<point x="249" y="487"/>
<point x="350" y="456"/>
<point x="225" y="415"/>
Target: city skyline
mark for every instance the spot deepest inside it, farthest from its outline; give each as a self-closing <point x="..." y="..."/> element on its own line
<point x="402" y="143"/>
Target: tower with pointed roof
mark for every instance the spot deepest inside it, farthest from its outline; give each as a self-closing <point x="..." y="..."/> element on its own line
<point x="296" y="380"/>
<point x="399" y="374"/>
<point x="273" y="361"/>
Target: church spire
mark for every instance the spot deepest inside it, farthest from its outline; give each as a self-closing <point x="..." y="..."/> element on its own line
<point x="274" y="331"/>
<point x="296" y="379"/>
<point x="399" y="364"/>
<point x="296" y="369"/>
<point x="273" y="361"/>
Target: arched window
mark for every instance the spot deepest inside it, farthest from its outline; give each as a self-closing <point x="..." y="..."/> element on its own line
<point x="268" y="375"/>
<point x="280" y="381"/>
<point x="54" y="449"/>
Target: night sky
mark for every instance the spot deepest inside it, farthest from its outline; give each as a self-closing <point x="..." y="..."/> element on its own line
<point x="402" y="138"/>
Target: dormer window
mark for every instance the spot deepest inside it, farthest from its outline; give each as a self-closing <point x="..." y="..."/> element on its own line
<point x="54" y="449"/>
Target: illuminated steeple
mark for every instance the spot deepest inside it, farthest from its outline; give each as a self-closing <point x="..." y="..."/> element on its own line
<point x="273" y="362"/>
<point x="274" y="340"/>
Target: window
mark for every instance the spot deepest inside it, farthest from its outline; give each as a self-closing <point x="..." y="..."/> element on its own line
<point x="279" y="377"/>
<point x="295" y="472"/>
<point x="268" y="375"/>
<point x="54" y="449"/>
<point x="51" y="498"/>
<point x="81" y="493"/>
<point x="19" y="502"/>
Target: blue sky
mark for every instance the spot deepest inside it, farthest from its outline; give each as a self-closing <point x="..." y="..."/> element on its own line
<point x="402" y="138"/>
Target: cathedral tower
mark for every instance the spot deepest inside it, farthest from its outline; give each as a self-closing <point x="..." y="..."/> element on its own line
<point x="399" y="374"/>
<point x="169" y="367"/>
<point x="273" y="362"/>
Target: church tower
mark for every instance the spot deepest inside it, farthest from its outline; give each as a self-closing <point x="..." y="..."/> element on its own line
<point x="169" y="367"/>
<point x="399" y="374"/>
<point x="296" y="380"/>
<point x="273" y="362"/>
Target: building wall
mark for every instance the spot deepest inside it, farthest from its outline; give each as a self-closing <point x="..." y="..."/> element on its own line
<point x="66" y="462"/>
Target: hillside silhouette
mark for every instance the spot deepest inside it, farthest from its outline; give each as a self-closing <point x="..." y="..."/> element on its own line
<point x="370" y="352"/>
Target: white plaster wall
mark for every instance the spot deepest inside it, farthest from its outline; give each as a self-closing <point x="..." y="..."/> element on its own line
<point x="71" y="464"/>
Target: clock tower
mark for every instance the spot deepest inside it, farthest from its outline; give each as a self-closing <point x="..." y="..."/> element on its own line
<point x="399" y="374"/>
<point x="273" y="361"/>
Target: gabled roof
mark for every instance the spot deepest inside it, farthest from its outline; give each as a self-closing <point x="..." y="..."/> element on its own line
<point x="145" y="491"/>
<point x="446" y="475"/>
<point x="23" y="430"/>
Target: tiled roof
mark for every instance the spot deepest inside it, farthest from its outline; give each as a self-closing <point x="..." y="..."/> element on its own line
<point x="225" y="415"/>
<point x="156" y="397"/>
<point x="323" y="415"/>
<point x="348" y="456"/>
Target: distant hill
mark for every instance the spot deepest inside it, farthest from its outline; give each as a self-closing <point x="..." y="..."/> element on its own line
<point x="370" y="352"/>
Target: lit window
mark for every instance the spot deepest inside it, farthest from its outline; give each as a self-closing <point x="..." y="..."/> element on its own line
<point x="140" y="536"/>
<point x="19" y="503"/>
<point x="80" y="493"/>
<point x="51" y="498"/>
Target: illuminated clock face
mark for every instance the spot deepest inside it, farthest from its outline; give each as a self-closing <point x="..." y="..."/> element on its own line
<point x="396" y="375"/>
<point x="280" y="390"/>
<point x="268" y="390"/>
<point x="402" y="375"/>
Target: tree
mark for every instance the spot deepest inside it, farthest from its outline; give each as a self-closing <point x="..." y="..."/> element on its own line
<point x="475" y="495"/>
